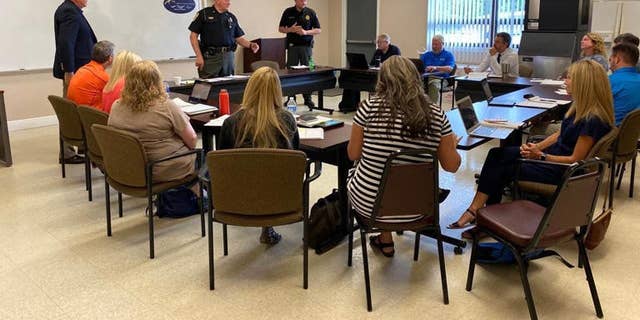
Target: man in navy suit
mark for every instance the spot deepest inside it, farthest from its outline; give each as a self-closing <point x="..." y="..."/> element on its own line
<point x="74" y="40"/>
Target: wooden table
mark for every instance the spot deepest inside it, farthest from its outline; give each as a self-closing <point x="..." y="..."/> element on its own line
<point x="5" y="147"/>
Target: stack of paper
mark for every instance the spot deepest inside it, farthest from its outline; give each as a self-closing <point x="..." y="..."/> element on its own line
<point x="217" y="122"/>
<point x="227" y="78"/>
<point x="311" y="133"/>
<point x="536" y="104"/>
<point x="477" y="75"/>
<point x="193" y="109"/>
<point x="501" y="124"/>
<point x="550" y="82"/>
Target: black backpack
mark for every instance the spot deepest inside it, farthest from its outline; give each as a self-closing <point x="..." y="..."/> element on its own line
<point x="325" y="223"/>
<point x="176" y="203"/>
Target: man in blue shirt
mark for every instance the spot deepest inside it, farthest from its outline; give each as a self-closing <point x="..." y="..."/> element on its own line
<point x="440" y="62"/>
<point x="630" y="38"/>
<point x="625" y="79"/>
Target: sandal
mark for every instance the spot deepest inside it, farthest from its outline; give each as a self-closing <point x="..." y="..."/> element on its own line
<point x="269" y="236"/>
<point x="375" y="242"/>
<point x="468" y="234"/>
<point x="458" y="225"/>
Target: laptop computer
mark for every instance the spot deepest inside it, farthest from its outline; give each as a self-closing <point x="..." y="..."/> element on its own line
<point x="474" y="127"/>
<point x="357" y="60"/>
<point x="200" y="92"/>
<point x="486" y="90"/>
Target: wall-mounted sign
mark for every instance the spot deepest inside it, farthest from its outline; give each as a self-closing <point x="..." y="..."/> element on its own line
<point x="180" y="6"/>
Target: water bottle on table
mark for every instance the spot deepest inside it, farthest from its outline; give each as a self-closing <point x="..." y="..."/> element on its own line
<point x="223" y="102"/>
<point x="292" y="106"/>
<point x="312" y="65"/>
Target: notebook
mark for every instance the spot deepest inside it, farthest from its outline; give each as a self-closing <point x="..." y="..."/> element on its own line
<point x="474" y="127"/>
<point x="193" y="108"/>
<point x="357" y="60"/>
<point x="311" y="121"/>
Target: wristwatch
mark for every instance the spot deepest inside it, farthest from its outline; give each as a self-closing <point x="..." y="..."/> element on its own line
<point x="543" y="156"/>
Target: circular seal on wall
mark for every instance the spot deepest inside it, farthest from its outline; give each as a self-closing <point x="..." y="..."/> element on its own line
<point x="180" y="6"/>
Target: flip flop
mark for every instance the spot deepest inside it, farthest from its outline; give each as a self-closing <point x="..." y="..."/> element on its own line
<point x="457" y="225"/>
<point x="375" y="242"/>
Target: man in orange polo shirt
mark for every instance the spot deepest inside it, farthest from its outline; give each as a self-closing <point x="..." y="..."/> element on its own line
<point x="86" y="85"/>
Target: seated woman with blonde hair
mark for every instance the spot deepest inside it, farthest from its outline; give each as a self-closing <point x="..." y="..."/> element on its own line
<point x="398" y="116"/>
<point x="162" y="127"/>
<point x="112" y="90"/>
<point x="261" y="122"/>
<point x="589" y="118"/>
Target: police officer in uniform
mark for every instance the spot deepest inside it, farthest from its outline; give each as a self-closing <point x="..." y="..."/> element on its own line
<point x="220" y="34"/>
<point x="300" y="24"/>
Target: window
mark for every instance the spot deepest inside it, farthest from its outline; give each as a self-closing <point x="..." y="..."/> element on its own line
<point x="469" y="26"/>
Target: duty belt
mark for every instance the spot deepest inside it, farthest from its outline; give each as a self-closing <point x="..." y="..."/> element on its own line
<point x="216" y="50"/>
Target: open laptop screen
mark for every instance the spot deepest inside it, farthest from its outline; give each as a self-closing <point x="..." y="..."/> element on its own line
<point x="200" y="92"/>
<point x="468" y="114"/>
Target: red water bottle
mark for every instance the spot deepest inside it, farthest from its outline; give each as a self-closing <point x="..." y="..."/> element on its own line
<point x="223" y="102"/>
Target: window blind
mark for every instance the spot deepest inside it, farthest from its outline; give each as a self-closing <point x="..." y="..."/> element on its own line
<point x="466" y="25"/>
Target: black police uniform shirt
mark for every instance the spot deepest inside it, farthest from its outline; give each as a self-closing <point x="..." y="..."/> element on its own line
<point x="216" y="29"/>
<point x="306" y="18"/>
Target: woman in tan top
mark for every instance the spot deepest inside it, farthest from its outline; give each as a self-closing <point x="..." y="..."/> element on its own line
<point x="146" y="111"/>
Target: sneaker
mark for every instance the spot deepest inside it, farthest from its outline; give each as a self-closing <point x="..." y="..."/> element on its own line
<point x="269" y="236"/>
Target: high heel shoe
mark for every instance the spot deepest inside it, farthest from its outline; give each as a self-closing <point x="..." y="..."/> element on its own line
<point x="458" y="225"/>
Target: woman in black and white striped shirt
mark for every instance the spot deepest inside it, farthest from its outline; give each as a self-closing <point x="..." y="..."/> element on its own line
<point x="399" y="116"/>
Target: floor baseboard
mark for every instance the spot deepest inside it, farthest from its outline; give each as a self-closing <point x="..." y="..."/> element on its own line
<point x="31" y="123"/>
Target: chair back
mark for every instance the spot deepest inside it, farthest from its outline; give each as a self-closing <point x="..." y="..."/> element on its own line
<point x="602" y="148"/>
<point x="256" y="181"/>
<point x="575" y="199"/>
<point x="265" y="63"/>
<point x="525" y="70"/>
<point x="123" y="154"/>
<point x="626" y="145"/>
<point x="419" y="64"/>
<point x="409" y="185"/>
<point x="88" y="117"/>
<point x="68" y="119"/>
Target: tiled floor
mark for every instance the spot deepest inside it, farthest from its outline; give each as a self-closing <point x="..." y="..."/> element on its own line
<point x="56" y="261"/>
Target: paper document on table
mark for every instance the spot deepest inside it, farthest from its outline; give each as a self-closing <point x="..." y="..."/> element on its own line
<point x="311" y="133"/>
<point x="217" y="122"/>
<point x="180" y="103"/>
<point x="536" y="104"/>
<point x="491" y="75"/>
<point x="550" y="82"/>
<point x="477" y="75"/>
<point x="299" y="67"/>
<point x="562" y="92"/>
<point x="193" y="109"/>
<point x="198" y="109"/>
<point x="501" y="124"/>
<point x="237" y="76"/>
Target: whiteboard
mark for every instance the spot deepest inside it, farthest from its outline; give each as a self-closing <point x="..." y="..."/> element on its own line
<point x="142" y="26"/>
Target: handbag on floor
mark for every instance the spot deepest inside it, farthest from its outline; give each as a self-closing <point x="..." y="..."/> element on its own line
<point x="325" y="221"/>
<point x="177" y="203"/>
<point x="599" y="226"/>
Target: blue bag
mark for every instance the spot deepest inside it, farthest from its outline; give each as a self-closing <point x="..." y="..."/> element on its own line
<point x="177" y="203"/>
<point x="498" y="253"/>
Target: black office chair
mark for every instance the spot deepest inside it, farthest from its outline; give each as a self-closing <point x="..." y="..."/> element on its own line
<point x="447" y="84"/>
